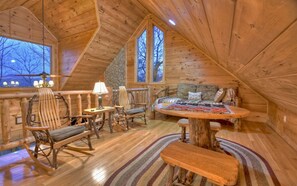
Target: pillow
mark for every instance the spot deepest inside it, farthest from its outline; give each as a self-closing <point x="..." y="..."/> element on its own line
<point x="184" y="88"/>
<point x="230" y="95"/>
<point x="195" y="96"/>
<point x="219" y="95"/>
<point x="208" y="91"/>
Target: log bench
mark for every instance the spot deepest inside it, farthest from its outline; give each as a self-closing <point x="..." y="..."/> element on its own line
<point x="218" y="168"/>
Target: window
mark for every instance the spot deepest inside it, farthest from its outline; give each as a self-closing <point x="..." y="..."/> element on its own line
<point x="158" y="54"/>
<point x="21" y="57"/>
<point x="141" y="57"/>
<point x="153" y="37"/>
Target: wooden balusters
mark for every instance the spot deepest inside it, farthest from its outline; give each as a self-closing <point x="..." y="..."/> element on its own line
<point x="79" y="105"/>
<point x="89" y="101"/>
<point x="69" y="104"/>
<point x="96" y="101"/>
<point x="5" y="117"/>
<point x="24" y="109"/>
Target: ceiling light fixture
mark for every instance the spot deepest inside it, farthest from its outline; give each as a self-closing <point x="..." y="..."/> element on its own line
<point x="171" y="22"/>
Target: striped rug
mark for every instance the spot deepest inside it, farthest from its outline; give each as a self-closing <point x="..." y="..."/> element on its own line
<point x="147" y="168"/>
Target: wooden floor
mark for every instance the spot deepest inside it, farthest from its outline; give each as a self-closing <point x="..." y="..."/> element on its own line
<point x="114" y="150"/>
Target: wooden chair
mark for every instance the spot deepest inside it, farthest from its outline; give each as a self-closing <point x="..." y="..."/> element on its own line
<point x="128" y="109"/>
<point x="52" y="127"/>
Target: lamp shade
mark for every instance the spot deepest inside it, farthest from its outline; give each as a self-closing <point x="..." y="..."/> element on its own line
<point x="100" y="88"/>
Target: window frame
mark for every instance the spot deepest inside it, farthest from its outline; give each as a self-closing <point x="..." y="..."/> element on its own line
<point x="152" y="54"/>
<point x="148" y="26"/>
<point x="52" y="60"/>
<point x="136" y="56"/>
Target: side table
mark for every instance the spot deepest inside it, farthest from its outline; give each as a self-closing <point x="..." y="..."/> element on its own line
<point x="94" y="112"/>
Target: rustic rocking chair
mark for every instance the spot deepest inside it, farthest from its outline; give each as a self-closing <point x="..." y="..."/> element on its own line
<point x="52" y="128"/>
<point x="128" y="109"/>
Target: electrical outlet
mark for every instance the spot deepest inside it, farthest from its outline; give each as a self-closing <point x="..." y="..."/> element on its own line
<point x="285" y="119"/>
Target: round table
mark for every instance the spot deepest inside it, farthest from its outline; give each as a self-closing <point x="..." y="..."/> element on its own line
<point x="199" y="128"/>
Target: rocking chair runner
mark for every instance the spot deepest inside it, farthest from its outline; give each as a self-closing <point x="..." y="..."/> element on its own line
<point x="52" y="130"/>
<point x="128" y="109"/>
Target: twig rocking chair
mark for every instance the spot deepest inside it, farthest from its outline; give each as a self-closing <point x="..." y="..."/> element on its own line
<point x="52" y="128"/>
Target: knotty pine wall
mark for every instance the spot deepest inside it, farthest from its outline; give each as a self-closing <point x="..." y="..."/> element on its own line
<point x="20" y="23"/>
<point x="185" y="63"/>
<point x="283" y="121"/>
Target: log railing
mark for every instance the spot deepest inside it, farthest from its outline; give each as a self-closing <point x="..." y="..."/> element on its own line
<point x="14" y="108"/>
<point x="14" y="111"/>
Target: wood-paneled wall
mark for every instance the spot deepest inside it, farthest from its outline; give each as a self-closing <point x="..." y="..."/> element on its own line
<point x="284" y="122"/>
<point x="254" y="40"/>
<point x="20" y="23"/>
<point x="185" y="63"/>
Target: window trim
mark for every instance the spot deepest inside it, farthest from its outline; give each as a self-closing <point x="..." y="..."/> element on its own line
<point x="148" y="26"/>
<point x="52" y="61"/>
<point x="136" y="56"/>
<point x="152" y="54"/>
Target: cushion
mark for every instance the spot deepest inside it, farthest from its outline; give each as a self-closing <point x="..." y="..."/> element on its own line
<point x="184" y="88"/>
<point x="230" y="95"/>
<point x="208" y="91"/>
<point x="219" y="95"/>
<point x="194" y="96"/>
<point x="135" y="110"/>
<point x="66" y="132"/>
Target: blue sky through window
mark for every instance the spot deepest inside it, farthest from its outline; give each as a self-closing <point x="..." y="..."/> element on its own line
<point x="21" y="57"/>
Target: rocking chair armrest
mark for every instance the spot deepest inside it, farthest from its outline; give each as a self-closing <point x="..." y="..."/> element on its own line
<point x="37" y="128"/>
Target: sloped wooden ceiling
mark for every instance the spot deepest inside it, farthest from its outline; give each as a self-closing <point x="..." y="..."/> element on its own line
<point x="253" y="39"/>
<point x="118" y="21"/>
<point x="73" y="22"/>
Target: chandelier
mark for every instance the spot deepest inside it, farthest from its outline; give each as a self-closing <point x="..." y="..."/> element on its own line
<point x="41" y="83"/>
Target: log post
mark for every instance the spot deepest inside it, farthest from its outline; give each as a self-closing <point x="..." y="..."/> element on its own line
<point x="200" y="132"/>
<point x="89" y="100"/>
<point x="5" y="118"/>
<point x="24" y="109"/>
<point x="69" y="104"/>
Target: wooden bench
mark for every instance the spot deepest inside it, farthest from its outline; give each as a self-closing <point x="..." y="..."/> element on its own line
<point x="217" y="167"/>
<point x="214" y="128"/>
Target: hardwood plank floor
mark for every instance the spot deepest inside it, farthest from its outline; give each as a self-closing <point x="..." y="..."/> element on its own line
<point x="114" y="150"/>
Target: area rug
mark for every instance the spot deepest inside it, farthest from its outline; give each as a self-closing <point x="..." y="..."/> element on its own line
<point x="147" y="168"/>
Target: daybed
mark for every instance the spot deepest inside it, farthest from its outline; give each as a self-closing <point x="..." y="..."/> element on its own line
<point x="199" y="93"/>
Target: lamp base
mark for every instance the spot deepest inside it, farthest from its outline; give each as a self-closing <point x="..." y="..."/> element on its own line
<point x="100" y="107"/>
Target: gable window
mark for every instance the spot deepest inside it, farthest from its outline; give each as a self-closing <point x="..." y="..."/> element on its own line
<point x="158" y="54"/>
<point x="149" y="61"/>
<point x="20" y="57"/>
<point x="141" y="57"/>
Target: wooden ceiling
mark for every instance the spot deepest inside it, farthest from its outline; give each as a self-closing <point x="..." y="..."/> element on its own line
<point x="253" y="39"/>
<point x="118" y="21"/>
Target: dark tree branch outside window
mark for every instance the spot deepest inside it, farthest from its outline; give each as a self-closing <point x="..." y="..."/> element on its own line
<point x="21" y="57"/>
<point x="158" y="55"/>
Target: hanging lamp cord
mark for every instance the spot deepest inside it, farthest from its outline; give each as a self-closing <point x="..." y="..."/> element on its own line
<point x="43" y="67"/>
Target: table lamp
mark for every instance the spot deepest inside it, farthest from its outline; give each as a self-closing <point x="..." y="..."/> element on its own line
<point x="100" y="89"/>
